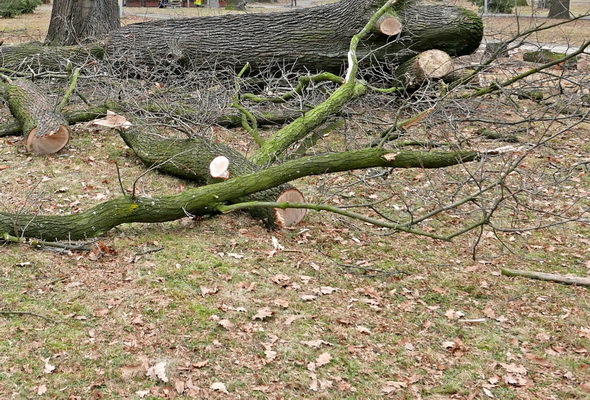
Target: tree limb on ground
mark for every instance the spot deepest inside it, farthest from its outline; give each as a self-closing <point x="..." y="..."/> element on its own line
<point x="566" y="280"/>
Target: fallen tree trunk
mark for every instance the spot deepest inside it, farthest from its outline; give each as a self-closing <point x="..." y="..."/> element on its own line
<point x="315" y="38"/>
<point x="45" y="130"/>
<point x="205" y="200"/>
<point x="191" y="159"/>
<point x="231" y="120"/>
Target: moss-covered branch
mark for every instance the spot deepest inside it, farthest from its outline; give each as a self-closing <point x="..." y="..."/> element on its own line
<point x="205" y="200"/>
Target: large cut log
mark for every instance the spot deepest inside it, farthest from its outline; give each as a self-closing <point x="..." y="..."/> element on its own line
<point x="315" y="38"/>
<point x="426" y="66"/>
<point x="194" y="159"/>
<point x="206" y="199"/>
<point x="46" y="131"/>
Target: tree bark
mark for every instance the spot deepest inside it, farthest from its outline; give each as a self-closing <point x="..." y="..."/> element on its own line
<point x="315" y="38"/>
<point x="205" y="200"/>
<point x="81" y="21"/>
<point x="559" y="9"/>
<point x="45" y="130"/>
<point x="190" y="159"/>
<point x="567" y="280"/>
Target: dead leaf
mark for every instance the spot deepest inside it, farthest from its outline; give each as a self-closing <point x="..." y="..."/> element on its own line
<point x="371" y="292"/>
<point x="276" y="245"/>
<point x="142" y="393"/>
<point x="208" y="291"/>
<point x="585" y="387"/>
<point x="132" y="371"/>
<point x="538" y="360"/>
<point x="3" y="167"/>
<point x="281" y="279"/>
<point x="514" y="368"/>
<point x="393" y="386"/>
<point x="308" y="297"/>
<point x="315" y="343"/>
<point x="112" y="120"/>
<point x="263" y="313"/>
<point x="453" y="315"/>
<point x="328" y="290"/>
<point x="515" y="380"/>
<point x="218" y="387"/>
<point x="323" y="359"/>
<point x="363" y="329"/>
<point x="179" y="386"/>
<point x="270" y="355"/>
<point x="158" y="371"/>
<point x="291" y="319"/>
<point x="226" y="323"/>
<point x="281" y="303"/>
<point x="41" y="390"/>
<point x="48" y="368"/>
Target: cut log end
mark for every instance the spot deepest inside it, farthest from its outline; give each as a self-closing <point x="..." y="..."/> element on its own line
<point x="219" y="168"/>
<point x="435" y="64"/>
<point x="390" y="26"/>
<point x="290" y="216"/>
<point x="49" y="143"/>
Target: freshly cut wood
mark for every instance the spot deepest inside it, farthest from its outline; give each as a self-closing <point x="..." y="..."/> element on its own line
<point x="389" y="25"/>
<point x="429" y="65"/>
<point x="567" y="280"/>
<point x="192" y="158"/>
<point x="290" y="216"/>
<point x="219" y="168"/>
<point x="46" y="131"/>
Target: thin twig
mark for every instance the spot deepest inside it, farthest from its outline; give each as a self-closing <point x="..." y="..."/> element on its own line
<point x="28" y="313"/>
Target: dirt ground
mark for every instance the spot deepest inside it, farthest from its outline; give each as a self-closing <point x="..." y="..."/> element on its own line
<point x="333" y="309"/>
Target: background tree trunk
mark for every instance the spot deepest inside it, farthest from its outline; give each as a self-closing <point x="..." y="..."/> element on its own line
<point x="559" y="9"/>
<point x="78" y="21"/>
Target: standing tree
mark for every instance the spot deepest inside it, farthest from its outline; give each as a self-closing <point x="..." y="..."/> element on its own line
<point x="78" y="21"/>
<point x="559" y="9"/>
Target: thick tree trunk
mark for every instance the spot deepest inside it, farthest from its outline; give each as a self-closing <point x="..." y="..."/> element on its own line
<point x="191" y="159"/>
<point x="205" y="200"/>
<point x="314" y="38"/>
<point x="559" y="9"/>
<point x="81" y="21"/>
<point x="45" y="130"/>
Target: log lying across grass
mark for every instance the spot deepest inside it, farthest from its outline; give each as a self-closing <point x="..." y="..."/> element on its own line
<point x="192" y="159"/>
<point x="315" y="38"/>
<point x="206" y="199"/>
<point x="46" y="130"/>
